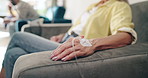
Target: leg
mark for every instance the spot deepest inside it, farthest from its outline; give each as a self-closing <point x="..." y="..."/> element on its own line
<point x="24" y="43"/>
<point x="11" y="29"/>
<point x="31" y="43"/>
<point x="10" y="58"/>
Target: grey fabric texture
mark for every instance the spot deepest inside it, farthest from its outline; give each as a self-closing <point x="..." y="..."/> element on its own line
<point x="126" y="62"/>
<point x="44" y="31"/>
<point x="140" y="19"/>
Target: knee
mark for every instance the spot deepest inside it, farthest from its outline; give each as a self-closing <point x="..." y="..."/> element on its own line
<point x="12" y="55"/>
<point x="11" y="30"/>
<point x="12" y="27"/>
<point x="17" y="35"/>
<point x="9" y="58"/>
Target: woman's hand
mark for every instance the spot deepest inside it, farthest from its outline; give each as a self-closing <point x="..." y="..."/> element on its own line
<point x="10" y="9"/>
<point x="10" y="6"/>
<point x="67" y="52"/>
<point x="57" y="38"/>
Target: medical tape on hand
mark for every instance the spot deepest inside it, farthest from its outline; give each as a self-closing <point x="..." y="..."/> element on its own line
<point x="85" y="42"/>
<point x="76" y="61"/>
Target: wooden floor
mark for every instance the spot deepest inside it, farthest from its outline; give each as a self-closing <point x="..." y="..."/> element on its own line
<point x="4" y="40"/>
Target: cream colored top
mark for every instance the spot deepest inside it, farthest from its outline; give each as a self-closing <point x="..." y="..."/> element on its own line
<point x="112" y="17"/>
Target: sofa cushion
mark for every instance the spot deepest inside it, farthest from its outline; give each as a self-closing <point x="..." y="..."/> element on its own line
<point x="140" y="19"/>
<point x="130" y="60"/>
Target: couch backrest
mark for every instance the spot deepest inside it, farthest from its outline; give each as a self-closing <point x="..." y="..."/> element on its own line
<point x="58" y="12"/>
<point x="140" y="19"/>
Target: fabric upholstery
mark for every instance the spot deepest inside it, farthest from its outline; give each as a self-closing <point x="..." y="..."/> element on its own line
<point x="140" y="19"/>
<point x="58" y="13"/>
<point x="125" y="62"/>
<point x="19" y="24"/>
<point x="47" y="32"/>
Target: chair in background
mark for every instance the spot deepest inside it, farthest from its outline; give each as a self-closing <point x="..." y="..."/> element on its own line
<point x="54" y="15"/>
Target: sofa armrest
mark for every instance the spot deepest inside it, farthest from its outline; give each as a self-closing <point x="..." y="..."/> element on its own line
<point x="126" y="62"/>
<point x="47" y="30"/>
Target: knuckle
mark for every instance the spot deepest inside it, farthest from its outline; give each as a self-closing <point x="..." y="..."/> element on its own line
<point x="62" y="47"/>
<point x="60" y="56"/>
<point x="74" y="54"/>
<point x="68" y="51"/>
<point x="85" y="54"/>
<point x="69" y="57"/>
<point x="77" y="40"/>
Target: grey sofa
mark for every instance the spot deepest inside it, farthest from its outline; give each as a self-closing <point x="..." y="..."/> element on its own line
<point x="126" y="62"/>
<point x="47" y="30"/>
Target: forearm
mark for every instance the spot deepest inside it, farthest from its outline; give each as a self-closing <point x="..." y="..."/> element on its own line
<point x="114" y="41"/>
<point x="12" y="14"/>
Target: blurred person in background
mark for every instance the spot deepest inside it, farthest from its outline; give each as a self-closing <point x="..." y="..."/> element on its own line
<point x="106" y="25"/>
<point x="23" y="10"/>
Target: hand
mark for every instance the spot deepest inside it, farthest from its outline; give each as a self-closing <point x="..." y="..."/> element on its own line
<point x="67" y="52"/>
<point x="57" y="38"/>
<point x="10" y="6"/>
<point x="7" y="21"/>
<point x="10" y="9"/>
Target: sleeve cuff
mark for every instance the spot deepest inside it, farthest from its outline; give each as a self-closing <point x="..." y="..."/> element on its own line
<point x="131" y="31"/>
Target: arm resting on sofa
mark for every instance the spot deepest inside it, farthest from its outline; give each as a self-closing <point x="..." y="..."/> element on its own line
<point x="126" y="62"/>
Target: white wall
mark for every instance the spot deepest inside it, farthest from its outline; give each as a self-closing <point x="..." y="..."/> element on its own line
<point x="76" y="7"/>
<point x="136" y="1"/>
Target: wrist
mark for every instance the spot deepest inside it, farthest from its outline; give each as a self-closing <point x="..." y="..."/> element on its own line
<point x="96" y="44"/>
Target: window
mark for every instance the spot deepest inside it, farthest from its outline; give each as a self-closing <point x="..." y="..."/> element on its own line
<point x="4" y="9"/>
<point x="40" y="5"/>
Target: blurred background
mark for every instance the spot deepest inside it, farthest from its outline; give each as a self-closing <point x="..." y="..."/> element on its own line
<point x="73" y="10"/>
<point x="73" y="7"/>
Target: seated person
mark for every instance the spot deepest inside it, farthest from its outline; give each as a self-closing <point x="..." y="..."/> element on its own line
<point x="24" y="11"/>
<point x="104" y="25"/>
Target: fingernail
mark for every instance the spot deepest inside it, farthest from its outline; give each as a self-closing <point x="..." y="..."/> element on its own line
<point x="63" y="59"/>
<point x="54" y="58"/>
<point x="51" y="56"/>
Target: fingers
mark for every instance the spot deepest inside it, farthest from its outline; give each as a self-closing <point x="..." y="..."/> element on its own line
<point x="67" y="52"/>
<point x="10" y="5"/>
<point x="63" y="54"/>
<point x="73" y="55"/>
<point x="63" y="47"/>
<point x="60" y="49"/>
